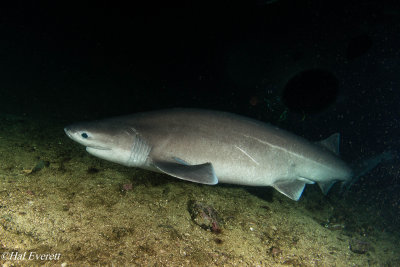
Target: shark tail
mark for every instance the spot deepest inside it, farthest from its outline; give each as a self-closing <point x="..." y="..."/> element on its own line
<point x="364" y="166"/>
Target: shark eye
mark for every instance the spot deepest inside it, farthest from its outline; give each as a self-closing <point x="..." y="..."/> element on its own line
<point x="84" y="135"/>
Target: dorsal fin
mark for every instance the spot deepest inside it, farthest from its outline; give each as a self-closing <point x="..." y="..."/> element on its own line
<point x="331" y="143"/>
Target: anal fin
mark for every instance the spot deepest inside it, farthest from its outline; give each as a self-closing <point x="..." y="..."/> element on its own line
<point x="326" y="186"/>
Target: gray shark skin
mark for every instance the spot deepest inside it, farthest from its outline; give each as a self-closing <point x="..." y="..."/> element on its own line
<point x="210" y="146"/>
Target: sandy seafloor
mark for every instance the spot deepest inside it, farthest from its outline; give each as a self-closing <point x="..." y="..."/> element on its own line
<point x="76" y="207"/>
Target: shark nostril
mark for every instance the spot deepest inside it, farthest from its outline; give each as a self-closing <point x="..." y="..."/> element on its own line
<point x="66" y="130"/>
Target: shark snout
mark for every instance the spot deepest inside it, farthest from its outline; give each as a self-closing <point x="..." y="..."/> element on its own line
<point x="68" y="132"/>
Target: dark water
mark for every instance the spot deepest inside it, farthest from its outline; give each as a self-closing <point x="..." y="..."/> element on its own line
<point x="310" y="67"/>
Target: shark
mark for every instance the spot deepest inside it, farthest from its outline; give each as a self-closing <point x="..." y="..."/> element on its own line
<point x="211" y="147"/>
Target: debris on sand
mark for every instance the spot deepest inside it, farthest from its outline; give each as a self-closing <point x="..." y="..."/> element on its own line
<point x="205" y="216"/>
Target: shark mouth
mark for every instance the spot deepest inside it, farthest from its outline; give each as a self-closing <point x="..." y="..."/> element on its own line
<point x="97" y="148"/>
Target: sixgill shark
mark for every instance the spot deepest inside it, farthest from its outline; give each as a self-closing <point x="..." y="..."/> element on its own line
<point x="209" y="147"/>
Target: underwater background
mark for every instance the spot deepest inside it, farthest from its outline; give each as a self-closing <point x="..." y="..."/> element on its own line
<point x="311" y="67"/>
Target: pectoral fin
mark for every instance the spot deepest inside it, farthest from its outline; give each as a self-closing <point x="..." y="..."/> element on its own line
<point x="202" y="173"/>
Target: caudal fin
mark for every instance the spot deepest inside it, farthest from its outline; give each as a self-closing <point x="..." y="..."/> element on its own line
<point x="365" y="166"/>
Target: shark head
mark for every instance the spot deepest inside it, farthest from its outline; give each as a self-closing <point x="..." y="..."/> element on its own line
<point x="110" y="140"/>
